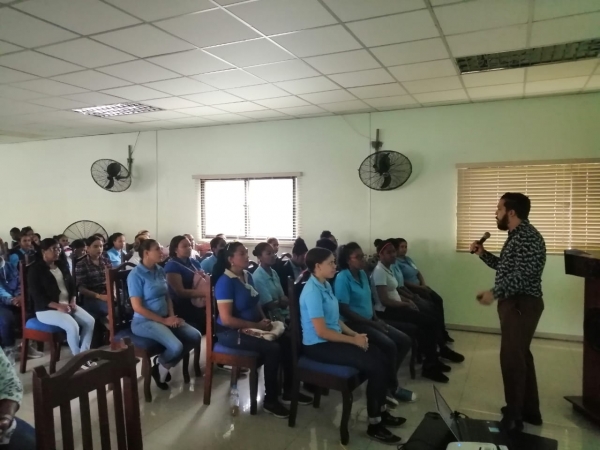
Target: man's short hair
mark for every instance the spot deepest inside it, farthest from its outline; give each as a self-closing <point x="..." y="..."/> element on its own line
<point x="517" y="202"/>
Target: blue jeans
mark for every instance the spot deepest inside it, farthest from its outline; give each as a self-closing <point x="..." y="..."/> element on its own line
<point x="176" y="341"/>
<point x="74" y="323"/>
<point x="95" y="307"/>
<point x="7" y="326"/>
<point x="23" y="437"/>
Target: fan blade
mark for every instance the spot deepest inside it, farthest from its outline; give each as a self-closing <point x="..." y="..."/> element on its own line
<point x="121" y="178"/>
<point x="110" y="184"/>
<point x="387" y="179"/>
<point x="382" y="164"/>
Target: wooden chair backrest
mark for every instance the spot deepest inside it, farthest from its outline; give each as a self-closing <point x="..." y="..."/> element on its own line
<point x="114" y="368"/>
<point x="27" y="309"/>
<point x="294" y="291"/>
<point x="119" y="313"/>
<point x="211" y="317"/>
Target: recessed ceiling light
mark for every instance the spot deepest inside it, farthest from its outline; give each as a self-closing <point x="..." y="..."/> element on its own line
<point x="118" y="109"/>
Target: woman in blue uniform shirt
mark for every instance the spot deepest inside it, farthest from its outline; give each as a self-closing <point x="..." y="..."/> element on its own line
<point x="116" y="249"/>
<point x="267" y="283"/>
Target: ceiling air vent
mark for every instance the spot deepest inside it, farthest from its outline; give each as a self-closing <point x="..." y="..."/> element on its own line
<point x="118" y="109"/>
<point x="573" y="51"/>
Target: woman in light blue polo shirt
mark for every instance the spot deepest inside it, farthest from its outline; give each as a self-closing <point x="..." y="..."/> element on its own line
<point x="116" y="249"/>
<point x="267" y="283"/>
<point x="216" y="245"/>
<point x="327" y="339"/>
<point x="153" y="316"/>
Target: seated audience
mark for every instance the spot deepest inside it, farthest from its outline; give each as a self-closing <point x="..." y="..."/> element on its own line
<point x="327" y="339"/>
<point x="274" y="243"/>
<point x="414" y="280"/>
<point x="53" y="293"/>
<point x="135" y="256"/>
<point x="216" y="244"/>
<point x="268" y="285"/>
<point x="90" y="275"/>
<point x="239" y="312"/>
<point x="78" y="249"/>
<point x="294" y="266"/>
<point x="181" y="270"/>
<point x="353" y="291"/>
<point x="329" y="244"/>
<point x="116" y="249"/>
<point x="25" y="250"/>
<point x="63" y="240"/>
<point x="327" y="235"/>
<point x="154" y="317"/>
<point x="195" y="254"/>
<point x="11" y="396"/>
<point x="36" y="239"/>
<point x="15" y="234"/>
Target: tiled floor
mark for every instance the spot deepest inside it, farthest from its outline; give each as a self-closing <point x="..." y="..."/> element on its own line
<point x="177" y="419"/>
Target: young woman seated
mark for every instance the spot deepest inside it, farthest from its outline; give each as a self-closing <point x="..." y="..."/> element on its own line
<point x="268" y="285"/>
<point x="154" y="317"/>
<point x="327" y="339"/>
<point x="135" y="255"/>
<point x="392" y="307"/>
<point x="353" y="291"/>
<point x="116" y="249"/>
<point x="294" y="266"/>
<point x="216" y="245"/>
<point x="90" y="275"/>
<point x="53" y="293"/>
<point x="24" y="251"/>
<point x="239" y="310"/>
<point x="195" y="254"/>
<point x="414" y="280"/>
<point x="181" y="269"/>
<point x="78" y="250"/>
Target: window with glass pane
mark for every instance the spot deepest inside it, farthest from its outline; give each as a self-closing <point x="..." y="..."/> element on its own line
<point x="224" y="207"/>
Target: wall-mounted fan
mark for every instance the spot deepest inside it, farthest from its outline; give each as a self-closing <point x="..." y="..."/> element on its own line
<point x="83" y="229"/>
<point x="111" y="175"/>
<point x="384" y="170"/>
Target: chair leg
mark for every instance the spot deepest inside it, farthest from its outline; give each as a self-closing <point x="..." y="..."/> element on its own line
<point x="253" y="390"/>
<point x="317" y="397"/>
<point x="147" y="378"/>
<point x="53" y="355"/>
<point x="235" y="375"/>
<point x="208" y="375"/>
<point x="185" y="364"/>
<point x="24" y="347"/>
<point x="325" y="392"/>
<point x="294" y="404"/>
<point x="346" y="411"/>
<point x="413" y="358"/>
<point x="197" y="371"/>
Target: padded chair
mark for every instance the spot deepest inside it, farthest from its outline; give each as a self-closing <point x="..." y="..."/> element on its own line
<point x="120" y="314"/>
<point x="220" y="354"/>
<point x="323" y="376"/>
<point x="33" y="329"/>
<point x="252" y="266"/>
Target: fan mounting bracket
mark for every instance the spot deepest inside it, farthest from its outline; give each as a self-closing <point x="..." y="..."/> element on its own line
<point x="377" y="144"/>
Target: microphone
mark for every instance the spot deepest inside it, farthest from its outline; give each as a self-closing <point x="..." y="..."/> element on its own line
<point x="484" y="238"/>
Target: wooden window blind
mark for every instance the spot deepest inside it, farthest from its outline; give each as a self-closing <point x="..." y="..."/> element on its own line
<point x="250" y="208"/>
<point x="565" y="202"/>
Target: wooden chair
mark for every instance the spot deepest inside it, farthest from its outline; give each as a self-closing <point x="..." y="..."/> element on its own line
<point x="114" y="368"/>
<point x="322" y="376"/>
<point x="33" y="329"/>
<point x="119" y="328"/>
<point x="219" y="354"/>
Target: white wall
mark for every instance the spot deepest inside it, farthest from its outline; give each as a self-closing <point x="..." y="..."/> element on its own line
<point x="57" y="188"/>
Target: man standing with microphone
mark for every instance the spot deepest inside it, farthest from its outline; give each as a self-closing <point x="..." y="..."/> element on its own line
<point x="518" y="289"/>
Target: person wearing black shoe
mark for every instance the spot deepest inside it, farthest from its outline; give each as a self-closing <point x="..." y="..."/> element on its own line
<point x="327" y="339"/>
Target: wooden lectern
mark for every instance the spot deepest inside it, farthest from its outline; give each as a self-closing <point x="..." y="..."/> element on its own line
<point x="587" y="265"/>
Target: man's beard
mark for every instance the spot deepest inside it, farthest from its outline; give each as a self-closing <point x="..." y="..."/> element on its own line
<point x="502" y="223"/>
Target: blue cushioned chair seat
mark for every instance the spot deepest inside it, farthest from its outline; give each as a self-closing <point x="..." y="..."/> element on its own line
<point x="143" y="343"/>
<point x="35" y="324"/>
<point x="219" y="348"/>
<point x="330" y="369"/>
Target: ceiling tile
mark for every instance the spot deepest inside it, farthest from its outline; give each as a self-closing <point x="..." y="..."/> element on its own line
<point x="11" y="76"/>
<point x="380" y="90"/>
<point x="308" y="85"/>
<point x="163" y="115"/>
<point x="229" y="79"/>
<point x="12" y="107"/>
<point x="190" y="63"/>
<point x="500" y="91"/>
<point x="283" y="102"/>
<point x="434" y="84"/>
<point x="171" y="103"/>
<point x="82" y="16"/>
<point x="144" y="41"/>
<point x="279" y="16"/>
<point x="397" y="101"/>
<point x="347" y="106"/>
<point x="213" y="98"/>
<point x="92" y="80"/>
<point x="424" y="70"/>
<point x="135" y="118"/>
<point x="5" y="47"/>
<point x="318" y="41"/>
<point x="363" y="78"/>
<point x="457" y="95"/>
<point x="228" y="2"/>
<point x="180" y="86"/>
<point x="58" y="103"/>
<point x="258" y="92"/>
<point x="510" y="76"/>
<point x="348" y="10"/>
<point x="50" y="87"/>
<point x="406" y="27"/>
<point x="208" y="28"/>
<point x="339" y="95"/>
<point x="139" y="72"/>
<point x="593" y="84"/>
<point x="481" y="15"/>
<point x="489" y="41"/>
<point x="201" y="111"/>
<point x="37" y="64"/>
<point x="136" y="93"/>
<point x="95" y="98"/>
<point x="303" y="110"/>
<point x="555" y="86"/>
<point x="190" y="121"/>
<point x="266" y="114"/>
<point x="241" y="107"/>
<point x="343" y="62"/>
<point x="550" y="9"/>
<point x="565" y="29"/>
<point x="562" y="70"/>
<point x="151" y="10"/>
<point x="250" y="53"/>
<point x="86" y="53"/>
<point x="443" y="2"/>
<point x="15" y="93"/>
<point x="27" y="31"/>
<point x="283" y="71"/>
<point x="411" y="52"/>
<point x="230" y="118"/>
